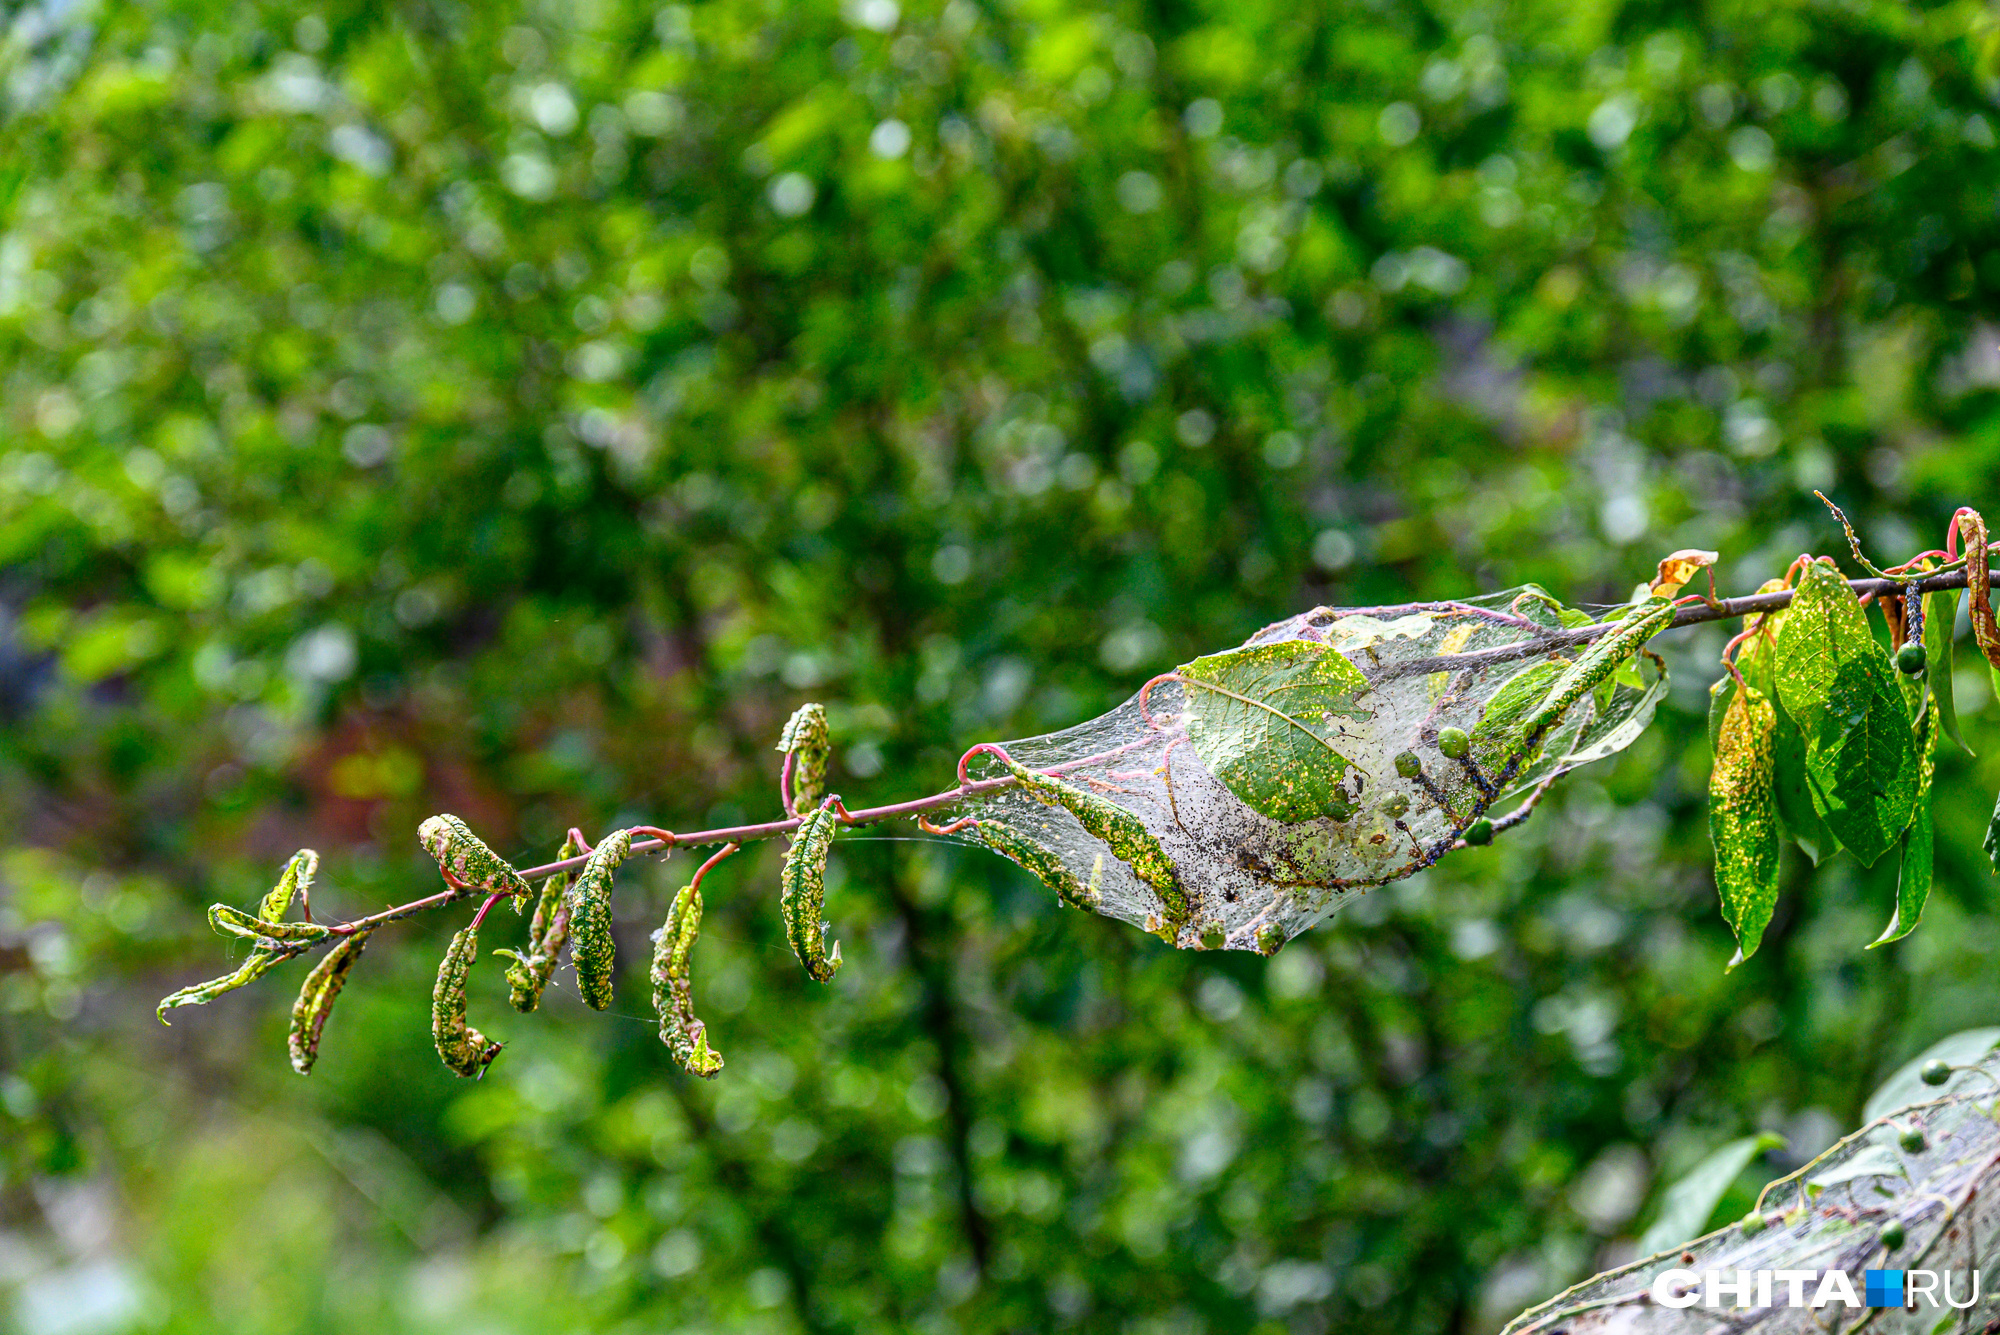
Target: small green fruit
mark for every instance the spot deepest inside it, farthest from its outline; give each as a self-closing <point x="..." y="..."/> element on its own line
<point x="1408" y="765"/>
<point x="1338" y="810"/>
<point x="1397" y="807"/>
<point x="1752" y="1225"/>
<point x="1892" y="1234"/>
<point x="1454" y="743"/>
<point x="1913" y="1141"/>
<point x="1935" y="1072"/>
<point x="1479" y="833"/>
<point x="1211" y="937"/>
<point x="1910" y="659"/>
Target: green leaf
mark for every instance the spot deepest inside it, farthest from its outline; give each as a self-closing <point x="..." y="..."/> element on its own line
<point x="1838" y="683"/>
<point x="1992" y="843"/>
<point x="802" y="893"/>
<point x="1906" y="1086"/>
<point x="1720" y="693"/>
<point x="1267" y="722"/>
<point x="1798" y="819"/>
<point x="1875" y="1161"/>
<point x="1913" y="883"/>
<point x="1496" y="738"/>
<point x="1940" y="616"/>
<point x="256" y="964"/>
<point x="1687" y="1204"/>
<point x="1743" y="818"/>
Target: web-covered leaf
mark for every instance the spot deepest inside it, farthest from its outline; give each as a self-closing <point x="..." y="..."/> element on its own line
<point x="1321" y="757"/>
<point x="1916" y="1187"/>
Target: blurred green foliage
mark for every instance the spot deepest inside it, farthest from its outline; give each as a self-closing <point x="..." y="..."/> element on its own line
<point x="517" y="409"/>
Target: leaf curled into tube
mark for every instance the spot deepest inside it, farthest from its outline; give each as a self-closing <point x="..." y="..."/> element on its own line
<point x="1126" y="835"/>
<point x="1599" y="661"/>
<point x="464" y="856"/>
<point x="235" y="922"/>
<point x="802" y="894"/>
<point x="294" y="883"/>
<point x="807" y="742"/>
<point x="1743" y="817"/>
<point x="316" y="998"/>
<point x="673" y="987"/>
<point x="1043" y="865"/>
<point x="1979" y="586"/>
<point x="592" y="949"/>
<point x="548" y="933"/>
<point x="260" y="961"/>
<point x="463" y="1049"/>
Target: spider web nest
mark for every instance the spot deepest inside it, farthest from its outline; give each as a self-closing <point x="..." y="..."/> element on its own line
<point x="1830" y="1215"/>
<point x="1347" y="818"/>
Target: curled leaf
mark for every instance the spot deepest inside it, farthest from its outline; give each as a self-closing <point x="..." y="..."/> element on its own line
<point x="802" y="894"/>
<point x="1498" y="739"/>
<point x="1678" y="569"/>
<point x="235" y="922"/>
<point x="464" y="1050"/>
<point x="259" y="962"/>
<point x="1979" y="587"/>
<point x="593" y="951"/>
<point x="673" y="987"/>
<point x="1043" y="865"/>
<point x="294" y="882"/>
<point x="1743" y="817"/>
<point x="1124" y="832"/>
<point x="548" y="933"/>
<point x="462" y="856"/>
<point x="316" y="997"/>
<point x="808" y="744"/>
<point x="1599" y="662"/>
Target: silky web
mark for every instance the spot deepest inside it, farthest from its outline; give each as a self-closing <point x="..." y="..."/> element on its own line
<point x="1830" y="1215"/>
<point x="1428" y="667"/>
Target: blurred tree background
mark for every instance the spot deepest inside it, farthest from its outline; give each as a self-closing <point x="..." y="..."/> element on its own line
<point x="517" y="409"/>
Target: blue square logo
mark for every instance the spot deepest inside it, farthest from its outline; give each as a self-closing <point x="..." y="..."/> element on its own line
<point x="1884" y="1288"/>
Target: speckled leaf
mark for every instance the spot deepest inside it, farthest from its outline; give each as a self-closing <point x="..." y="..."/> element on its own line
<point x="462" y="854"/>
<point x="295" y="882"/>
<point x="1497" y="738"/>
<point x="802" y="894"/>
<point x="231" y="921"/>
<point x="1913" y="883"/>
<point x="1126" y="835"/>
<point x="685" y="1035"/>
<point x="593" y="950"/>
<point x="1838" y="683"/>
<point x="260" y="961"/>
<point x="1798" y="818"/>
<point x="548" y="932"/>
<point x="463" y="1049"/>
<point x="316" y="997"/>
<point x="1743" y="818"/>
<point x="808" y="743"/>
<point x="1600" y="661"/>
<point x="1267" y="722"/>
<point x="1043" y="865"/>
